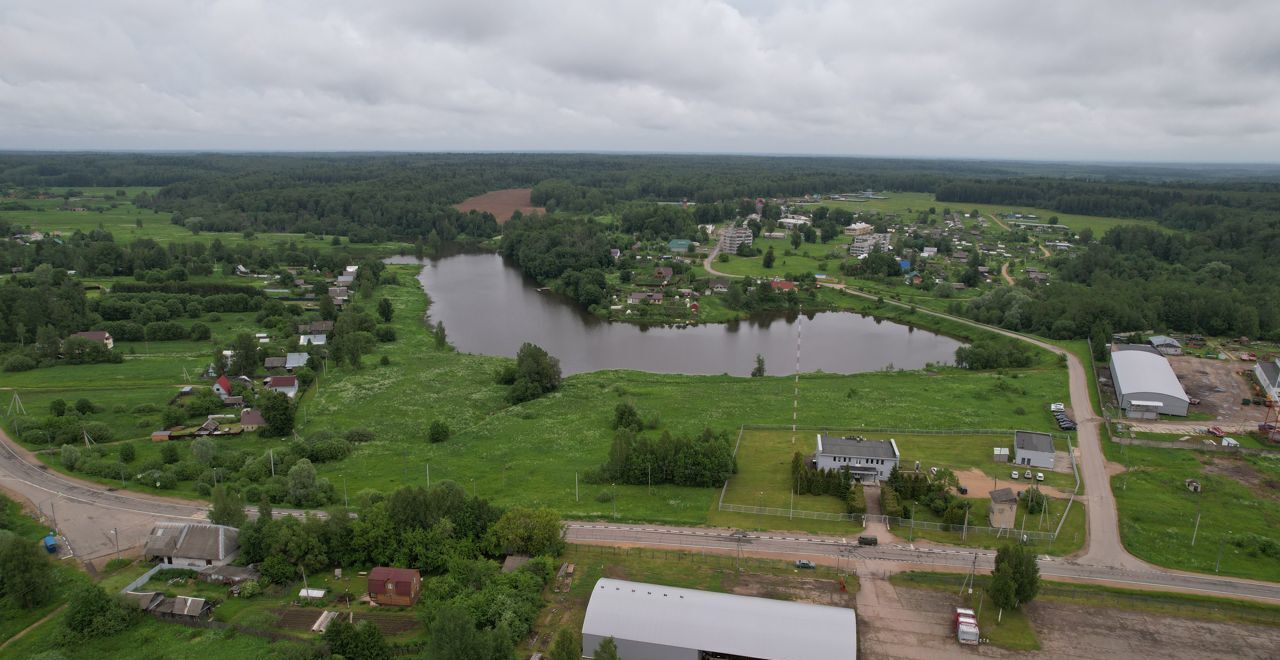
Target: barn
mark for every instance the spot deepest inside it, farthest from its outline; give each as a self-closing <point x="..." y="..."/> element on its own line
<point x="655" y="622"/>
<point x="1145" y="383"/>
<point x="394" y="586"/>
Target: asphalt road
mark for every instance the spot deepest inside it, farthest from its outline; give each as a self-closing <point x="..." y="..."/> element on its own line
<point x="834" y="550"/>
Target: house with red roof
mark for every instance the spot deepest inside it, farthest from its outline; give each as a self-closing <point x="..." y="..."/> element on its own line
<point x="222" y="387"/>
<point x="782" y="285"/>
<point x="286" y="385"/>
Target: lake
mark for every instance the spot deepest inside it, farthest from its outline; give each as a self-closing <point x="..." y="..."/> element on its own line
<point x="491" y="308"/>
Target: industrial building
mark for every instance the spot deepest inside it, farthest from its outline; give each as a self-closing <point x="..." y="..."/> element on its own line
<point x="1033" y="449"/>
<point x="651" y="622"/>
<point x="1145" y="383"/>
<point x="866" y="461"/>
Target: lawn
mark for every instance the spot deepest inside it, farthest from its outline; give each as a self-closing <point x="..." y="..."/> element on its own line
<point x="1239" y="500"/>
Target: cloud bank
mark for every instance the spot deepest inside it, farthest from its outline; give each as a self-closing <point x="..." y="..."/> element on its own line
<point x="1082" y="80"/>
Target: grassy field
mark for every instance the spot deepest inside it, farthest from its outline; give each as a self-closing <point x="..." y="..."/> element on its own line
<point x="908" y="204"/>
<point x="530" y="453"/>
<point x="1240" y="496"/>
<point x="122" y="221"/>
<point x="708" y="572"/>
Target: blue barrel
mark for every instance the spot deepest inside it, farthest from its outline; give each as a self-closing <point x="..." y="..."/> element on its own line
<point x="51" y="544"/>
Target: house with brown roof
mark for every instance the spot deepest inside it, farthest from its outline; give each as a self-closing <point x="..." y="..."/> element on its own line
<point x="663" y="273"/>
<point x="394" y="586"/>
<point x="192" y="544"/>
<point x="251" y="420"/>
<point x="286" y="385"/>
<point x="100" y="336"/>
<point x="274" y="363"/>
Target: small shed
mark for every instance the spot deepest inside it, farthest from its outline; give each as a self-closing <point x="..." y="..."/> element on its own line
<point x="394" y="586"/>
<point x="160" y="436"/>
<point x="1000" y="455"/>
<point x="1004" y="508"/>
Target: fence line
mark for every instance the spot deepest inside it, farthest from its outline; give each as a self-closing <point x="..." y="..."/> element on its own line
<point x="1197" y="446"/>
<point x="142" y="579"/>
<point x="889" y="522"/>
<point x="862" y="429"/>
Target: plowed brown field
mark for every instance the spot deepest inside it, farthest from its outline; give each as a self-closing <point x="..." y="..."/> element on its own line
<point x="501" y="203"/>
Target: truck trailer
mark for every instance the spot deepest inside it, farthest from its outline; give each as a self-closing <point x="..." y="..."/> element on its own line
<point x="966" y="623"/>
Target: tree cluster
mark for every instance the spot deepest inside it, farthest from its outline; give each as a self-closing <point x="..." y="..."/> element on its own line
<point x="704" y="460"/>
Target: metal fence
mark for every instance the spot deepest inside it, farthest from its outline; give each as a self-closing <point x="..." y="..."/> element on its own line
<point x="866" y="429"/>
<point x="891" y="522"/>
<point x="791" y="513"/>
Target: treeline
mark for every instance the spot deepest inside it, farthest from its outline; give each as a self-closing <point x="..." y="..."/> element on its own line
<point x="1215" y="282"/>
<point x="704" y="460"/>
<point x="991" y="352"/>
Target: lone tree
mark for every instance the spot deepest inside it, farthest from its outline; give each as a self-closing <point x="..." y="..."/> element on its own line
<point x="758" y="371"/>
<point x="535" y="373"/>
<point x="768" y="258"/>
<point x="607" y="650"/>
<point x="385" y="310"/>
<point x="228" y="508"/>
<point x="277" y="412"/>
<point x="566" y="646"/>
<point x="1016" y="578"/>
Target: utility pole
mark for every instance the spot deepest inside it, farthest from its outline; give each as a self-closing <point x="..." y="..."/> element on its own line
<point x="964" y="532"/>
<point x="115" y="536"/>
<point x="575" y="487"/>
<point x="271" y="454"/>
<point x="428" y="475"/>
<point x="345" y="502"/>
<point x="614" y="499"/>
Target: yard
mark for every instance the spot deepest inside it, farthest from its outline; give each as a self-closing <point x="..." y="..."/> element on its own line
<point x="1238" y="508"/>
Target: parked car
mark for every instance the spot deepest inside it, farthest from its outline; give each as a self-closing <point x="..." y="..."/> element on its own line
<point x="1015" y="474"/>
<point x="805" y="563"/>
<point x="1039" y="476"/>
<point x="1057" y="407"/>
<point x="868" y="540"/>
<point x="1027" y="474"/>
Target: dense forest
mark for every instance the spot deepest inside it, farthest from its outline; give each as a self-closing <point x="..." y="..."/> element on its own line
<point x="1212" y="274"/>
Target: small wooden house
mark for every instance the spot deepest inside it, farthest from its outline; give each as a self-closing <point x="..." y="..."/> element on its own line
<point x="394" y="586"/>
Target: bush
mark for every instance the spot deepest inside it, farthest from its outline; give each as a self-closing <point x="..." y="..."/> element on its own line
<point x="158" y="479"/>
<point x="127" y="453"/>
<point x="200" y="332"/>
<point x="359" y="435"/>
<point x="70" y="455"/>
<point x="145" y="409"/>
<point x="604" y="496"/>
<point x="890" y="504"/>
<point x="384" y="360"/>
<point x="439" y="431"/>
<point x="19" y="363"/>
<point x="169" y="453"/>
<point x="85" y="407"/>
<point x="384" y="333"/>
<point x="57" y="407"/>
<point x="856" y="500"/>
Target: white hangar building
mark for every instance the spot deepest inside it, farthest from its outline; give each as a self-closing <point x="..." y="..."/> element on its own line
<point x="651" y="622"/>
<point x="1145" y="383"/>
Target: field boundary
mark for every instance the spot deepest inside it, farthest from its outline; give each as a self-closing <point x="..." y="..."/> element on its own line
<point x="867" y="429"/>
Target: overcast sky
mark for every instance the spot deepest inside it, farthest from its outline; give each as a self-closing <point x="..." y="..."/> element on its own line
<point x="1080" y="80"/>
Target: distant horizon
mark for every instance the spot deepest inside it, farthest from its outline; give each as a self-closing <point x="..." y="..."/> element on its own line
<point x="615" y="152"/>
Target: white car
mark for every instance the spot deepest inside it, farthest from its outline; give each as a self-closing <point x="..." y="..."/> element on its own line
<point x="1015" y="474"/>
<point x="1027" y="474"/>
<point x="1057" y="407"/>
<point x="1039" y="476"/>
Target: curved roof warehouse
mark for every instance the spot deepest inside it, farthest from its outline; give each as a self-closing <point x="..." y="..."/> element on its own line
<point x="1143" y="376"/>
<point x="649" y="621"/>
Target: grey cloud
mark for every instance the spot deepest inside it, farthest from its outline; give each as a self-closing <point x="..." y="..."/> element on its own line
<point x="1133" y="80"/>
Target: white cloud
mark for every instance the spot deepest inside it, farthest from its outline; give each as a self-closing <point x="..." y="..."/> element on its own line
<point x="1136" y="80"/>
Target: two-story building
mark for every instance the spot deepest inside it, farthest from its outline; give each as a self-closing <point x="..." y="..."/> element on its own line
<point x="865" y="460"/>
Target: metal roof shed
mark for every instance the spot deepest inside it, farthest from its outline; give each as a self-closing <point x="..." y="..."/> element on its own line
<point x="651" y="621"/>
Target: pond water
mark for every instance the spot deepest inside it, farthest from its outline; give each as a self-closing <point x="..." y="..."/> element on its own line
<point x="491" y="308"/>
